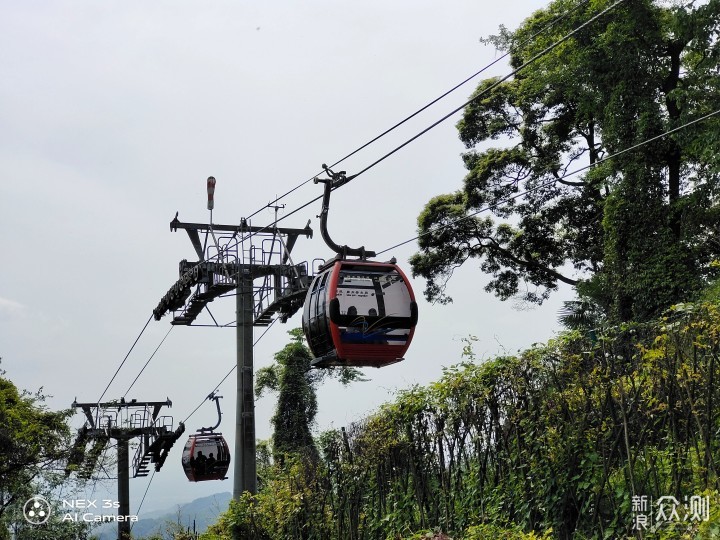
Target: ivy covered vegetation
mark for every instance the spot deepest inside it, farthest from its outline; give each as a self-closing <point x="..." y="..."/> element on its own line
<point x="553" y="443"/>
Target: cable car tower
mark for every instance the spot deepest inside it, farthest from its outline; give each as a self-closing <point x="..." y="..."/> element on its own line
<point x="122" y="421"/>
<point x="254" y="264"/>
<point x="357" y="312"/>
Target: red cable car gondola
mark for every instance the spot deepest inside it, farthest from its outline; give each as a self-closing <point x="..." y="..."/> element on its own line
<point x="357" y="313"/>
<point x="206" y="455"/>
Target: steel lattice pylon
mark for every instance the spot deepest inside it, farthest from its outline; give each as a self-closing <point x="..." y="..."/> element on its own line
<point x="255" y="262"/>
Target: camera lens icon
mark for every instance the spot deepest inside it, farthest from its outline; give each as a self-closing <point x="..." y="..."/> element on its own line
<point x="36" y="510"/>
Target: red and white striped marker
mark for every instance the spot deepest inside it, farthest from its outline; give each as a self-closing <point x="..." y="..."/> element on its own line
<point x="211" y="192"/>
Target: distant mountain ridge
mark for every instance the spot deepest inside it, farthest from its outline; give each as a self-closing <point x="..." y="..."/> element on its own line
<point x="204" y="511"/>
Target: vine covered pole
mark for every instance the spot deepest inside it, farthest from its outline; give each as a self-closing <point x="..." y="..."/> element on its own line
<point x="245" y="477"/>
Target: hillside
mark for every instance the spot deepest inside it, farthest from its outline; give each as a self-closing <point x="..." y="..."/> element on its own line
<point x="202" y="512"/>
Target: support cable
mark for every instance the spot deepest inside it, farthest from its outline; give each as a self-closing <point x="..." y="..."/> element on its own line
<point x="148" y="361"/>
<point x="450" y="114"/>
<point x="124" y="359"/>
<point x="228" y="374"/>
<point x="553" y="181"/>
<point x="398" y="124"/>
<point x="430" y="104"/>
<point x="492" y="87"/>
<point x="143" y="498"/>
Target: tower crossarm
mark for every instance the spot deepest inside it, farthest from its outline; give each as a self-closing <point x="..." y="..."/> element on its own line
<point x="284" y="285"/>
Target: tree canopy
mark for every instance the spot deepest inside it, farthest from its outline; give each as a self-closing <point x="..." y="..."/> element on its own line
<point x="34" y="446"/>
<point x="634" y="231"/>
<point x="32" y="439"/>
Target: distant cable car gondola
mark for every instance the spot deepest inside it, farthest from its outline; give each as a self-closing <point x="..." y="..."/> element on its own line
<point x="357" y="312"/>
<point x="206" y="455"/>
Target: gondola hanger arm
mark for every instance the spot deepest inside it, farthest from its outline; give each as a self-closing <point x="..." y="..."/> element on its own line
<point x="213" y="397"/>
<point x="334" y="181"/>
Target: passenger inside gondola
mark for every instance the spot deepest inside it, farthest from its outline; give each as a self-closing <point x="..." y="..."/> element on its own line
<point x="200" y="463"/>
<point x="353" y="320"/>
<point x="210" y="464"/>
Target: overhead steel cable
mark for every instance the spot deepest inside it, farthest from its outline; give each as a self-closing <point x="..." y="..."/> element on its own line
<point x="430" y="104"/>
<point x="148" y="361"/>
<point x="124" y="359"/>
<point x="554" y="180"/>
<point x="450" y="114"/>
<point x="227" y="374"/>
<point x="491" y="87"/>
<point x="143" y="499"/>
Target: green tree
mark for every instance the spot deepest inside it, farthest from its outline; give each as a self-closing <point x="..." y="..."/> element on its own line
<point x="32" y="440"/>
<point x="633" y="234"/>
<point x="295" y="382"/>
<point x="34" y="444"/>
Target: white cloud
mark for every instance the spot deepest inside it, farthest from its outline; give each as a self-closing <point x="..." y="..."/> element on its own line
<point x="10" y="309"/>
<point x="10" y="305"/>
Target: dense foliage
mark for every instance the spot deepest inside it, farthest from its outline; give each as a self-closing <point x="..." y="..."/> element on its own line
<point x="31" y="439"/>
<point x="635" y="233"/>
<point x="557" y="440"/>
<point x="34" y="444"/>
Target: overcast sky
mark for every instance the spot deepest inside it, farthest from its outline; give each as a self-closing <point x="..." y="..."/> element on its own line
<point x="113" y="114"/>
